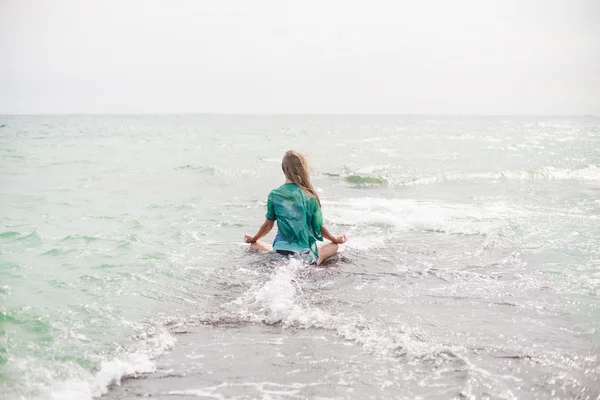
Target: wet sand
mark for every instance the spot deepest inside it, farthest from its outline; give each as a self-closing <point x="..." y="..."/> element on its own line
<point x="256" y="362"/>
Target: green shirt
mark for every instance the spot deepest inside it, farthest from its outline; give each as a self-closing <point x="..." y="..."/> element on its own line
<point x="299" y="218"/>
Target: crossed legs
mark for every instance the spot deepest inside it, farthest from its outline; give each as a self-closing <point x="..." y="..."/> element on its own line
<point x="325" y="251"/>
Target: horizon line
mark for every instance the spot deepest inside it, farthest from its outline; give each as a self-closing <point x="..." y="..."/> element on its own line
<point x="276" y="114"/>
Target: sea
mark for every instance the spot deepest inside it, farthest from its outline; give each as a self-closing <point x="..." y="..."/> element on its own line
<point x="472" y="269"/>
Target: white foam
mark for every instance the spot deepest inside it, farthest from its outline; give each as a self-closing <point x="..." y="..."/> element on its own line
<point x="407" y="215"/>
<point x="268" y="389"/>
<point x="364" y="243"/>
<point x="136" y="360"/>
<point x="588" y="173"/>
<point x="275" y="300"/>
<point x="372" y="168"/>
<point x="279" y="300"/>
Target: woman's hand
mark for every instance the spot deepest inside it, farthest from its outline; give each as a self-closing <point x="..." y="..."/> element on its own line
<point x="341" y="239"/>
<point x="262" y="231"/>
<point x="337" y="240"/>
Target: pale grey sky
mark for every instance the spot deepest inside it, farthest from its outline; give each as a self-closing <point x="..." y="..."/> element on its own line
<point x="402" y="57"/>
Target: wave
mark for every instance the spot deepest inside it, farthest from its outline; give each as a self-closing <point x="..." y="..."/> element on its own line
<point x="412" y="215"/>
<point x="286" y="299"/>
<point x="366" y="180"/>
<point x="58" y="252"/>
<point x="9" y="234"/>
<point x="373" y="175"/>
<point x="80" y="238"/>
<point x="587" y="173"/>
<point x="64" y="377"/>
<point x="206" y="170"/>
<point x="138" y="359"/>
<point x="380" y="176"/>
<point x="219" y="172"/>
<point x="280" y="301"/>
<point x="275" y="301"/>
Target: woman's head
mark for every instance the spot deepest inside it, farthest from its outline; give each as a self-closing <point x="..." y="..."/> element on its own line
<point x="295" y="168"/>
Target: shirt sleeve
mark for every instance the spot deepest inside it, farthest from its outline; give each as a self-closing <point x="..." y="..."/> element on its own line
<point x="317" y="221"/>
<point x="270" y="208"/>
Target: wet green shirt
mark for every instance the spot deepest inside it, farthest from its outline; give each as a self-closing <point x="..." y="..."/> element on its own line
<point x="299" y="218"/>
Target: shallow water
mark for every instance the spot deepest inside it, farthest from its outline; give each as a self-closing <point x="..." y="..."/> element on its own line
<point x="472" y="270"/>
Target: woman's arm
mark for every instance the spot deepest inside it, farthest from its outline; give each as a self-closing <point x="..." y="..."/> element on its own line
<point x="262" y="231"/>
<point x="333" y="239"/>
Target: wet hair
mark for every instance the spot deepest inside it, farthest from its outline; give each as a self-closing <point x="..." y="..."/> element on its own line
<point x="295" y="168"/>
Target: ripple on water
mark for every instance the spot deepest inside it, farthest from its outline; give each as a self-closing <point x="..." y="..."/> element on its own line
<point x="58" y="252"/>
<point x="153" y="256"/>
<point x="80" y="238"/>
<point x="134" y="224"/>
<point x="9" y="235"/>
<point x="129" y="242"/>
<point x="108" y="266"/>
<point x="89" y="278"/>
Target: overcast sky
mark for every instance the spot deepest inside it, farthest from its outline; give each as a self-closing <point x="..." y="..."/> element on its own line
<point x="254" y="56"/>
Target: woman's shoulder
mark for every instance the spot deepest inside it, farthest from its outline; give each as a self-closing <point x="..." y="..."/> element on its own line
<point x="310" y="200"/>
<point x="314" y="202"/>
<point x="280" y="191"/>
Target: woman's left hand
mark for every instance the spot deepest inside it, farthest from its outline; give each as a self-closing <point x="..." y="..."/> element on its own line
<point x="249" y="239"/>
<point x="341" y="239"/>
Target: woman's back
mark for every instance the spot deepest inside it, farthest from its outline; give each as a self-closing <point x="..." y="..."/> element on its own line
<point x="298" y="216"/>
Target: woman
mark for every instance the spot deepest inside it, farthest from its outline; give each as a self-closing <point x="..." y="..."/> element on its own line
<point x="296" y="207"/>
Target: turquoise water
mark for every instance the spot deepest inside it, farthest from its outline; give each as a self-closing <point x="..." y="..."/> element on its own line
<point x="473" y="264"/>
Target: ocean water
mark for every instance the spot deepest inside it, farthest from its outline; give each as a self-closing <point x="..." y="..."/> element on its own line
<point x="472" y="268"/>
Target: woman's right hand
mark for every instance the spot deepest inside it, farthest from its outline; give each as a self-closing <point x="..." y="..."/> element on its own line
<point x="249" y="239"/>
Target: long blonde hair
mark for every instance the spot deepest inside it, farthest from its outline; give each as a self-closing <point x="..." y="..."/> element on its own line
<point x="295" y="168"/>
